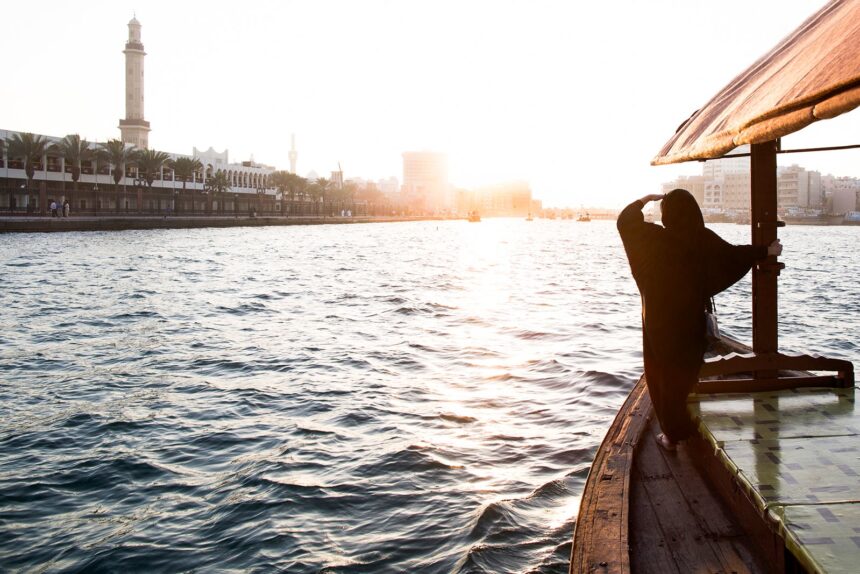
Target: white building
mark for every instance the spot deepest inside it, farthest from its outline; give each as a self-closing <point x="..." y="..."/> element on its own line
<point x="244" y="178"/>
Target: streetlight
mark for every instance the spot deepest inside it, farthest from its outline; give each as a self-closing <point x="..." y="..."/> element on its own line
<point x="261" y="191"/>
<point x="139" y="184"/>
<point x="207" y="189"/>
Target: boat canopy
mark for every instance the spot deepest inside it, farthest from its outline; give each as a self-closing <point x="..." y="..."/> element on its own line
<point x="812" y="74"/>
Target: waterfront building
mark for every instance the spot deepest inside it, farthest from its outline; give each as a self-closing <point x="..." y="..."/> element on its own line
<point x="134" y="128"/>
<point x="798" y="188"/>
<point x="96" y="190"/>
<point x="843" y="201"/>
<point x="425" y="181"/>
<point x="727" y="182"/>
<point x="830" y="184"/>
<point x="390" y="186"/>
<point x="736" y="192"/>
<point x="695" y="184"/>
<point x="501" y="200"/>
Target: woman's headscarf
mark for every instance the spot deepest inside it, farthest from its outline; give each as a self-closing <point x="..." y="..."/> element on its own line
<point x="681" y="214"/>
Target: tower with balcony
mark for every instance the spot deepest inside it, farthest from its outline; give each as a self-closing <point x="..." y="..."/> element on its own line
<point x="134" y="129"/>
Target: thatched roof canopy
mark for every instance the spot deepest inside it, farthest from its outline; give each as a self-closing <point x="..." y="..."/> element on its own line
<point x="812" y="74"/>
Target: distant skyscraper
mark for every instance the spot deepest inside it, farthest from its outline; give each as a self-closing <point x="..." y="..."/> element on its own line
<point x="294" y="155"/>
<point x="134" y="129"/>
<point x="425" y="180"/>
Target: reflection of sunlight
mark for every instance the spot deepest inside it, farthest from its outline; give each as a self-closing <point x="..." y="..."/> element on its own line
<point x="485" y="263"/>
<point x="558" y="515"/>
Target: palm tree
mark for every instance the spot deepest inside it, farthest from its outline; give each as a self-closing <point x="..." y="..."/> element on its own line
<point x="149" y="164"/>
<point x="184" y="168"/>
<point x="74" y="150"/>
<point x="322" y="185"/>
<point x="118" y="154"/>
<point x="217" y="185"/>
<point x="296" y="184"/>
<point x="30" y="148"/>
<point x="278" y="180"/>
<point x="347" y="196"/>
<point x="99" y="155"/>
<point x="288" y="184"/>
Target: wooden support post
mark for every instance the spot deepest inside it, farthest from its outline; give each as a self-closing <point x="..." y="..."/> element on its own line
<point x="764" y="223"/>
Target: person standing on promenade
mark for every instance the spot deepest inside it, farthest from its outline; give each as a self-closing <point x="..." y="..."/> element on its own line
<point x="67" y="208"/>
<point x="678" y="267"/>
<point x="53" y="208"/>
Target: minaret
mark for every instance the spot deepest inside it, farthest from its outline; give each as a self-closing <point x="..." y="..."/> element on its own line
<point x="134" y="129"/>
<point x="294" y="155"/>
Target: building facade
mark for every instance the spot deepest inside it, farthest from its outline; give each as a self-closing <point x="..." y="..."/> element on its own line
<point x="425" y="182"/>
<point x="727" y="183"/>
<point x="500" y="200"/>
<point x="798" y="188"/>
<point x="695" y="184"/>
<point x="97" y="191"/>
<point x="843" y="201"/>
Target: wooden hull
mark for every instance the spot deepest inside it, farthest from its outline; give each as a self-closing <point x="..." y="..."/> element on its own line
<point x="645" y="510"/>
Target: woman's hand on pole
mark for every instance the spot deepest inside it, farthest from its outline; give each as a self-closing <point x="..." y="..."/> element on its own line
<point x="775" y="248"/>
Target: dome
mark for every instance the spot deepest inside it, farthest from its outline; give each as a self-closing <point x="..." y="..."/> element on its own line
<point x="134" y="22"/>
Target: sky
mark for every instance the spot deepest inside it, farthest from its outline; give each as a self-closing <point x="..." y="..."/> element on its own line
<point x="574" y="97"/>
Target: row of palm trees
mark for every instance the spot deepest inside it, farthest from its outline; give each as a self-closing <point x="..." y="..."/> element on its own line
<point x="31" y="148"/>
<point x="318" y="192"/>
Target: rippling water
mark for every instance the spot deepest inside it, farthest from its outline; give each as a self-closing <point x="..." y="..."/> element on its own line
<point x="363" y="398"/>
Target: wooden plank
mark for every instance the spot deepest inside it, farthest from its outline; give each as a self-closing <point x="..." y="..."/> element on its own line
<point x="601" y="537"/>
<point x="760" y="534"/>
<point x="715" y="521"/>
<point x="687" y="542"/>
<point x="733" y="363"/>
<point x="713" y="518"/>
<point x="649" y="550"/>
<point x="763" y="385"/>
<point x="661" y="507"/>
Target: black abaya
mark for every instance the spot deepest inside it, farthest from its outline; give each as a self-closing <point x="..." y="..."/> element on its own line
<point x="677" y="272"/>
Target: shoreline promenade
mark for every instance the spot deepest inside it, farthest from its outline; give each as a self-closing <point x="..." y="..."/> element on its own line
<point x="43" y="224"/>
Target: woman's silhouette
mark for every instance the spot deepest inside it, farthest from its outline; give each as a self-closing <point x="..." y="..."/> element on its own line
<point x="678" y="267"/>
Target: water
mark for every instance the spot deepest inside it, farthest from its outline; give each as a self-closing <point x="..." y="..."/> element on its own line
<point x="421" y="397"/>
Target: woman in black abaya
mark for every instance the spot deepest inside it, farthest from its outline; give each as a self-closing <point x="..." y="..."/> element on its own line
<point x="678" y="267"/>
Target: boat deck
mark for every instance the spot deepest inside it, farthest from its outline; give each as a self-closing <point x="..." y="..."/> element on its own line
<point x="796" y="455"/>
<point x="677" y="521"/>
<point x="648" y="511"/>
<point x="770" y="484"/>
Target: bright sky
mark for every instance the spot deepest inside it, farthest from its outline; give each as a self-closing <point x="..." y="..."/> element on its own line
<point x="574" y="97"/>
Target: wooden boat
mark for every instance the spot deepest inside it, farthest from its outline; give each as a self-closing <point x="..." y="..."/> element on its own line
<point x="584" y="217"/>
<point x="474" y="216"/>
<point x="732" y="503"/>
